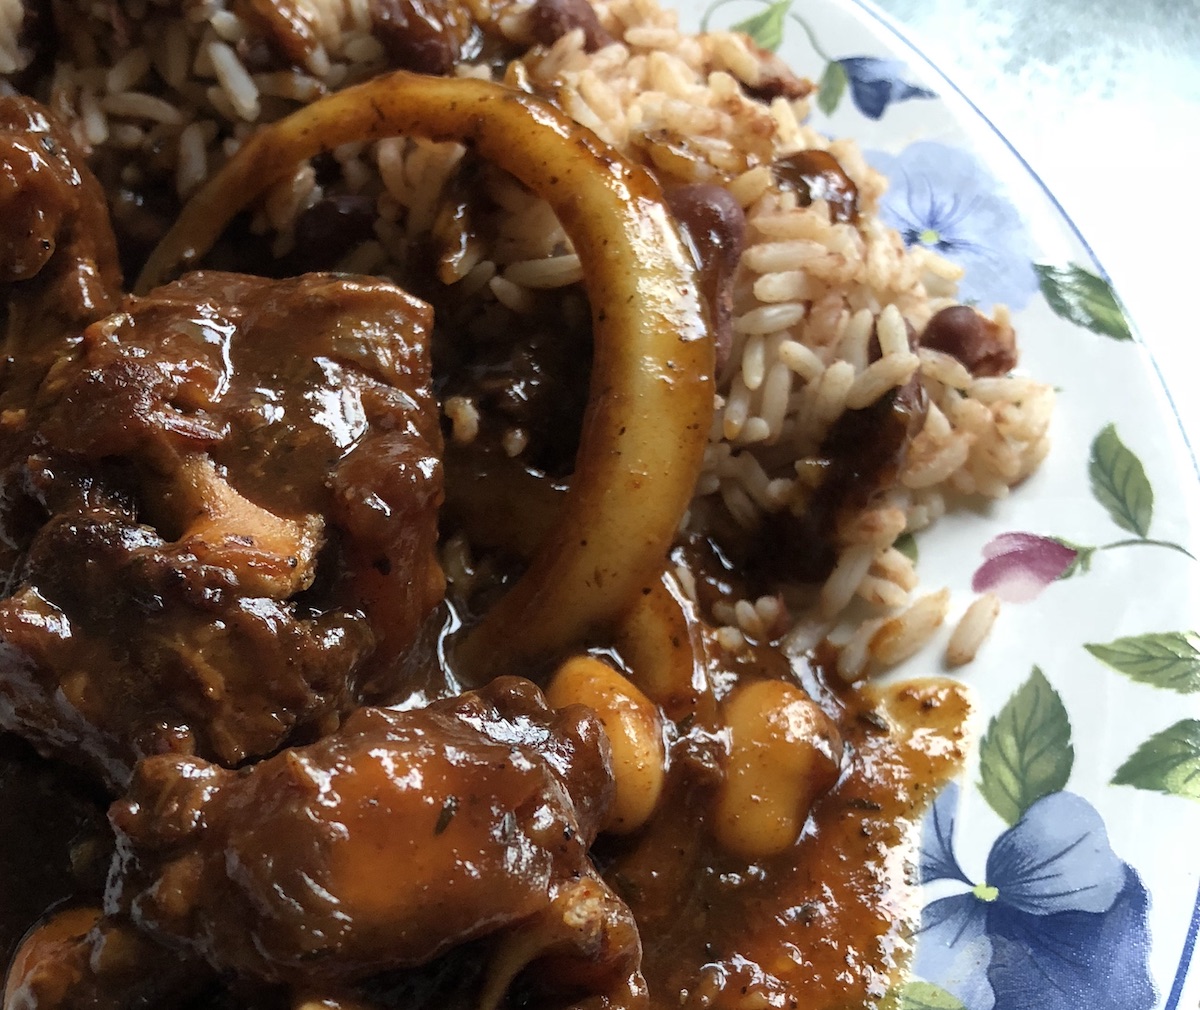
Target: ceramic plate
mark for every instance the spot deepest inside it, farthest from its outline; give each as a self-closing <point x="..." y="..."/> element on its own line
<point x="1061" y="871"/>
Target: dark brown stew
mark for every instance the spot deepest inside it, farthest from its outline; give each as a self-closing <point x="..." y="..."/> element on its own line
<point x="259" y="779"/>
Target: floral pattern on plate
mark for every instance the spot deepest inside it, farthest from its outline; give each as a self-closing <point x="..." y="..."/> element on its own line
<point x="942" y="198"/>
<point x="1059" y="920"/>
<point x="1084" y="896"/>
<point x="1020" y="565"/>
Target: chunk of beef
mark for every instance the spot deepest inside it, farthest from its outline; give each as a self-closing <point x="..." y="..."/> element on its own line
<point x="58" y="258"/>
<point x="228" y="524"/>
<point x="58" y="273"/>
<point x="384" y="845"/>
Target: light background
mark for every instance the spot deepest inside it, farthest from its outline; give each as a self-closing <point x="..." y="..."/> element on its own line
<point x="1102" y="99"/>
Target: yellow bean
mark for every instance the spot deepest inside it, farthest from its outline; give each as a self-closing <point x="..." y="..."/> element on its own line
<point x="784" y="752"/>
<point x="634" y="728"/>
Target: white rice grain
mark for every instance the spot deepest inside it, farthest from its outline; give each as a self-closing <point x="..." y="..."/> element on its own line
<point x="882" y="592"/>
<point x="127" y="71"/>
<point x="95" y="122"/>
<point x="886" y="373"/>
<point x="787" y="286"/>
<point x="553" y="272"/>
<point x="235" y="81"/>
<point x="138" y="105"/>
<point x="944" y="368"/>
<point x="902" y="636"/>
<point x="932" y="460"/>
<point x="853" y="346"/>
<point x="751" y="185"/>
<point x="775" y="393"/>
<point x="891" y="331"/>
<point x="840" y="587"/>
<point x="773" y="257"/>
<point x="737" y="409"/>
<point x="756" y="429"/>
<point x="228" y="26"/>
<point x="801" y="360"/>
<point x="972" y="630"/>
<point x="830" y="400"/>
<point x="464" y="419"/>
<point x="191" y="167"/>
<point x="512" y="296"/>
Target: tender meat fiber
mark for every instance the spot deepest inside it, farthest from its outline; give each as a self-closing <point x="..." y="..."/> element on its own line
<point x="386" y="844"/>
<point x="226" y="521"/>
<point x="58" y="259"/>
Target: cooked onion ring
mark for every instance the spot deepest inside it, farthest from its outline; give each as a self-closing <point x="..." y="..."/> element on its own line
<point x="651" y="394"/>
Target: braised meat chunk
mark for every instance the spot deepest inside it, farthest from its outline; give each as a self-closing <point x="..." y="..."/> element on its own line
<point x="384" y="845"/>
<point x="230" y="497"/>
<point x="56" y="245"/>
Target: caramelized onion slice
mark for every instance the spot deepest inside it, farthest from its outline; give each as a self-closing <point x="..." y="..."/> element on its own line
<point x="651" y="394"/>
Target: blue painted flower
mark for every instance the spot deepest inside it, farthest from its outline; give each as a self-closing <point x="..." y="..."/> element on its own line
<point x="875" y="84"/>
<point x="942" y="198"/>
<point x="1059" y="922"/>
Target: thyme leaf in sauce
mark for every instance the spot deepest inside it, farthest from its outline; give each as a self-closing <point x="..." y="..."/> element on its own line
<point x="449" y="809"/>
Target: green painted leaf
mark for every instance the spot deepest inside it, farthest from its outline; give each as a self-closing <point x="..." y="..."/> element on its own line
<point x="906" y="544"/>
<point x="1026" y="753"/>
<point x="1119" y="483"/>
<point x="1169" y="762"/>
<point x="831" y="87"/>
<point x="1084" y="299"/>
<point x="1170" y="659"/>
<point x="766" y="29"/>
<point x="926" y="996"/>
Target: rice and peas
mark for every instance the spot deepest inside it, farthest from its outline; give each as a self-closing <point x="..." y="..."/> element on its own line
<point x="822" y="307"/>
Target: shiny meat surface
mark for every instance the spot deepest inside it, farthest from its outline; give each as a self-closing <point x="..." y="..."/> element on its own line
<point x="55" y="239"/>
<point x="386" y="844"/>
<point x="223" y="505"/>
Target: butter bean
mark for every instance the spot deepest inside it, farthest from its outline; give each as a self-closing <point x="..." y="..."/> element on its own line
<point x="784" y="753"/>
<point x="634" y="728"/>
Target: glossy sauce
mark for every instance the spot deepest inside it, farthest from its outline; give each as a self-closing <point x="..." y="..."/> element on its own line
<point x="284" y="418"/>
<point x="822" y="925"/>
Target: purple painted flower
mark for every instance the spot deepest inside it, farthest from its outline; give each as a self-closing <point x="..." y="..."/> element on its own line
<point x="941" y="197"/>
<point x="876" y="83"/>
<point x="1019" y="566"/>
<point x="1059" y="922"/>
